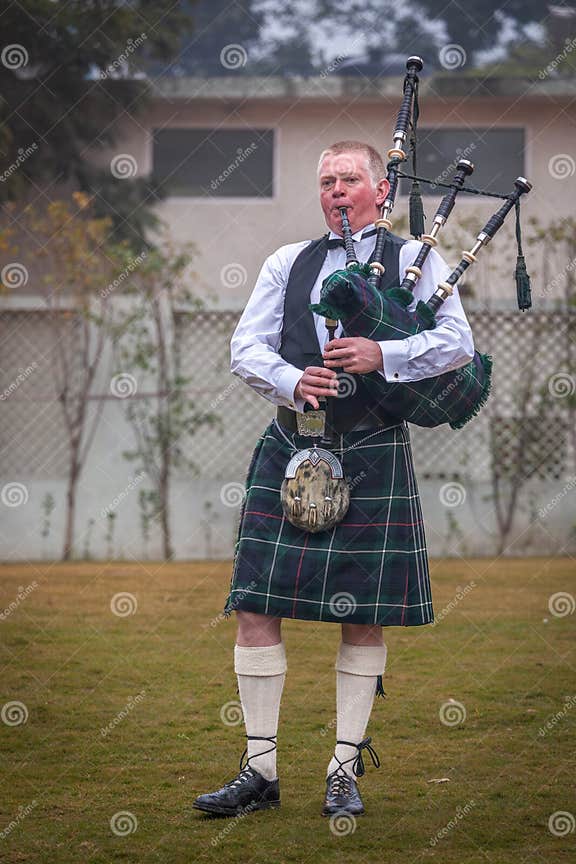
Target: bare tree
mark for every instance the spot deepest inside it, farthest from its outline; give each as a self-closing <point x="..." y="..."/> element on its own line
<point x="75" y="263"/>
<point x="164" y="417"/>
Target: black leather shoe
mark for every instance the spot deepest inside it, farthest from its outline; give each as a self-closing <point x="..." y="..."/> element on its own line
<point x="342" y="794"/>
<point x="247" y="792"/>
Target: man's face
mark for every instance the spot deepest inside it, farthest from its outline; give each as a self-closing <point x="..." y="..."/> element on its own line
<point x="345" y="182"/>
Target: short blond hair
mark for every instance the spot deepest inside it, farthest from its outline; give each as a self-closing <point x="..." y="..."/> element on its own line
<point x="374" y="161"/>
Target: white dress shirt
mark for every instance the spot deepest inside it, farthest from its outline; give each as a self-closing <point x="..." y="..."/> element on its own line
<point x="256" y="340"/>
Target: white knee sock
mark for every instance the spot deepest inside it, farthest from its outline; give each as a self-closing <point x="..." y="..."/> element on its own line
<point x="261" y="672"/>
<point x="357" y="669"/>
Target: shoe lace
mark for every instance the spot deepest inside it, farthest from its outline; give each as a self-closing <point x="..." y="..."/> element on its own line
<point x="259" y="738"/>
<point x="340" y="782"/>
<point x="358" y="767"/>
<point x="245" y="774"/>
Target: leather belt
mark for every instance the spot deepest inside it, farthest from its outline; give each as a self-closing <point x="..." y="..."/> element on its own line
<point x="287" y="418"/>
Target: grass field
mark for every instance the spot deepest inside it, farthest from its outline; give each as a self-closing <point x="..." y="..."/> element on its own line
<point x="122" y="721"/>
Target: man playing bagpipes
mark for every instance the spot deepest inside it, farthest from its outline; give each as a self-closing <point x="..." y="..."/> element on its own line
<point x="331" y="526"/>
<point x="370" y="570"/>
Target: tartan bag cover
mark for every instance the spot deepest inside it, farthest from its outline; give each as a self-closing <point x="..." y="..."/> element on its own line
<point x="453" y="397"/>
<point x="371" y="568"/>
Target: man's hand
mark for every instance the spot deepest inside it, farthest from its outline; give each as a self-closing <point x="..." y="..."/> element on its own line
<point x="316" y="381"/>
<point x="353" y="354"/>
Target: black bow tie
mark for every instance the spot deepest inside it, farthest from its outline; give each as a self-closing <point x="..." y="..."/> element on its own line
<point x="335" y="242"/>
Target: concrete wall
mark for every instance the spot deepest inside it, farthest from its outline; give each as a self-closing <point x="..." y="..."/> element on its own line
<point x="243" y="231"/>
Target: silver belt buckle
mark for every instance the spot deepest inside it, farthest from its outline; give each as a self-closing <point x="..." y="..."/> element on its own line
<point x="311" y="423"/>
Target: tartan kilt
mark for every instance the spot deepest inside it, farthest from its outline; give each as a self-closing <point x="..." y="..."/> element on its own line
<point x="371" y="568"/>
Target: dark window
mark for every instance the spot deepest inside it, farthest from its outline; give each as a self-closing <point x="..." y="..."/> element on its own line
<point x="221" y="163"/>
<point x="497" y="154"/>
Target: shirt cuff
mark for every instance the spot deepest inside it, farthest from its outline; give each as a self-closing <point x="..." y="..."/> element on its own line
<point x="285" y="388"/>
<point x="394" y="359"/>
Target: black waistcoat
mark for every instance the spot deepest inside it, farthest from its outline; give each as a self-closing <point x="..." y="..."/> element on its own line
<point x="299" y="344"/>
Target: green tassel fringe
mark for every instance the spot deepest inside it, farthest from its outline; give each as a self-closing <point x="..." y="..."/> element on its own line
<point x="416" y="209"/>
<point x="486" y="360"/>
<point x="523" y="291"/>
<point x="426" y="315"/>
<point x="400" y="295"/>
<point x="327" y="310"/>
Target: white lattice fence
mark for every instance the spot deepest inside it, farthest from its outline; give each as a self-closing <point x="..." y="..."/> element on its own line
<point x="528" y="351"/>
<point x="33" y="442"/>
<point x="531" y="352"/>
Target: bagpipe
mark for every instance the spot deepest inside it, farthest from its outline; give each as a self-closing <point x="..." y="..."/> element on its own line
<point x="315" y="494"/>
<point x="352" y="295"/>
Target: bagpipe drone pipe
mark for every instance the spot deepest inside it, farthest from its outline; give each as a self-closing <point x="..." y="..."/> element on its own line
<point x="353" y="297"/>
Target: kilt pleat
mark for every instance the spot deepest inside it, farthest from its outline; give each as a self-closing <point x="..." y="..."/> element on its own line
<point x="371" y="568"/>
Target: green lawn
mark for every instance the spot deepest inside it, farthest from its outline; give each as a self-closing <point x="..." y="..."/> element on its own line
<point x="123" y="715"/>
